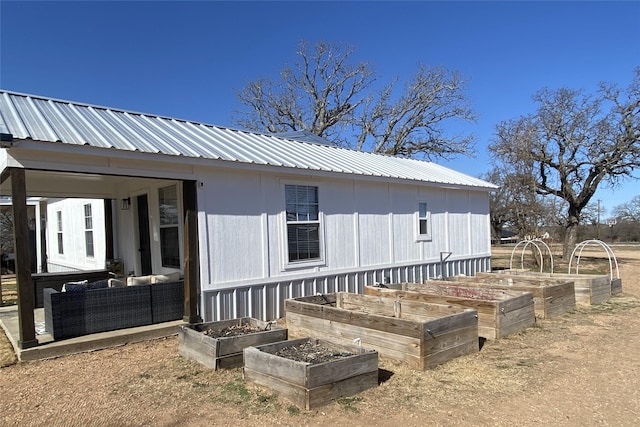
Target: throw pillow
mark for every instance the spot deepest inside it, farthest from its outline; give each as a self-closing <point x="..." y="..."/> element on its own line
<point x="75" y="286"/>
<point x="98" y="284"/>
<point x="169" y="277"/>
<point x="138" y="280"/>
<point x="115" y="283"/>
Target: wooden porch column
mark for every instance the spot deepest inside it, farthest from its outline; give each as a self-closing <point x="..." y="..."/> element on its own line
<point x="26" y="303"/>
<point x="191" y="256"/>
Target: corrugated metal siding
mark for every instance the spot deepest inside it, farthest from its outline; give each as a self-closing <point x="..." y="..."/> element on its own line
<point x="49" y="120"/>
<point x="266" y="301"/>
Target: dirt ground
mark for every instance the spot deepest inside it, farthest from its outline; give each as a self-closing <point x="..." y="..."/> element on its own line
<point x="579" y="369"/>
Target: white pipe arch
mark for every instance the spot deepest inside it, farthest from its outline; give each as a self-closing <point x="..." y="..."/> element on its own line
<point x="580" y="246"/>
<point x="535" y="243"/>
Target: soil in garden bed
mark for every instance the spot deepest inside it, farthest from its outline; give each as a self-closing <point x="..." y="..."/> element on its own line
<point x="310" y="352"/>
<point x="233" y="331"/>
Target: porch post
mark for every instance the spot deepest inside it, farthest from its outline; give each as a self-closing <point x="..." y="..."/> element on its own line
<point x="26" y="295"/>
<point x="191" y="257"/>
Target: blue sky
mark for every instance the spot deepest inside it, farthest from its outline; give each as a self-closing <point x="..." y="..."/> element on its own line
<point x="188" y="59"/>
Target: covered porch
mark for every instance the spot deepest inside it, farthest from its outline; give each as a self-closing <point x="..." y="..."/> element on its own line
<point x="123" y="230"/>
<point x="47" y="348"/>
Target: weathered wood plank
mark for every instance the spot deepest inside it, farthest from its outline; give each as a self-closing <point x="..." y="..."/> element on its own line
<point x="458" y="324"/>
<point x="327" y="393"/>
<point x="269" y="364"/>
<point x="386" y="323"/>
<point x="550" y="297"/>
<point x="590" y="288"/>
<point x="224" y="352"/>
<point x="499" y="311"/>
<point x="313" y="398"/>
<point x="341" y="333"/>
<point x="616" y="286"/>
<point x="295" y="393"/>
<point x="311" y="385"/>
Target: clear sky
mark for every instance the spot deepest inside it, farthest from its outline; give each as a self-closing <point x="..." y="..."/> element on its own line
<point x="188" y="59"/>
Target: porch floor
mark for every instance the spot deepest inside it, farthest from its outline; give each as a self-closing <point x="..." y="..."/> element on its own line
<point x="48" y="348"/>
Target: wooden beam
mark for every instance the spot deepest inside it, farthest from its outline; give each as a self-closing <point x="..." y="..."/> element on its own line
<point x="26" y="298"/>
<point x="4" y="175"/>
<point x="191" y="256"/>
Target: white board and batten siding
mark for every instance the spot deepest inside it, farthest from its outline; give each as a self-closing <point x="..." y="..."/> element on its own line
<point x="369" y="235"/>
<point x="73" y="255"/>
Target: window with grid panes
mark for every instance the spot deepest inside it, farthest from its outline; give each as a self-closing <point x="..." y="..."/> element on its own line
<point x="59" y="231"/>
<point x="88" y="230"/>
<point x="303" y="223"/>
<point x="169" y="236"/>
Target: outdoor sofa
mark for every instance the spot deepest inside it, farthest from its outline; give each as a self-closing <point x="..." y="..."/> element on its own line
<point x="76" y="312"/>
<point x="56" y="280"/>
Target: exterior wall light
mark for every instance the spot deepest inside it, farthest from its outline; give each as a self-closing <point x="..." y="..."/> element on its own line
<point x="125" y="204"/>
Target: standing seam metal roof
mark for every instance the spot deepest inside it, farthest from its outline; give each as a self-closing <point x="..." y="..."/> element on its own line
<point x="50" y="120"/>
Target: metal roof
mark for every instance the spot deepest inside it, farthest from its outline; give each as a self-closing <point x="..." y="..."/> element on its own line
<point x="38" y="118"/>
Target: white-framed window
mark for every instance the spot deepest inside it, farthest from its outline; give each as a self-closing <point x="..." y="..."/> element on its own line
<point x="88" y="230"/>
<point x="169" y="226"/>
<point x="59" y="231"/>
<point x="303" y="225"/>
<point x="423" y="222"/>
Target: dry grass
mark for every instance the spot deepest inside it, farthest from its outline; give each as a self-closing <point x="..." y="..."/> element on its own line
<point x="578" y="369"/>
<point x="7" y="355"/>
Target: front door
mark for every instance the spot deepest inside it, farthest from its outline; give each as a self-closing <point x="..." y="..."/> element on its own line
<point x="143" y="235"/>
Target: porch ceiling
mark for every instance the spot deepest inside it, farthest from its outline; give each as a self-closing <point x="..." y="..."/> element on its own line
<point x="67" y="184"/>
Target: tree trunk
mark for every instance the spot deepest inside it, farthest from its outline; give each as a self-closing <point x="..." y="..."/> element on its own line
<point x="570" y="238"/>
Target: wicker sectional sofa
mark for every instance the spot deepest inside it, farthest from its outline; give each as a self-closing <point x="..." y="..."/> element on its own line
<point x="72" y="314"/>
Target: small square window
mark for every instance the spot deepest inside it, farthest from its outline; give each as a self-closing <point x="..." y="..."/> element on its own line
<point x="423" y="222"/>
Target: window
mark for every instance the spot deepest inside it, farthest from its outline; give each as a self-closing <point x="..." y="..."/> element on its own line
<point x="169" y="238"/>
<point x="88" y="230"/>
<point x="424" y="222"/>
<point x="59" y="221"/>
<point x="303" y="223"/>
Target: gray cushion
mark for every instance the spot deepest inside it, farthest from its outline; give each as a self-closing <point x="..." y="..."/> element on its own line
<point x="75" y="286"/>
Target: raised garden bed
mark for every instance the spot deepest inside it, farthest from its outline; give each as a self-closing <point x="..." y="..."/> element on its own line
<point x="550" y="297"/>
<point x="500" y="312"/>
<point x="589" y="288"/>
<point x="311" y="372"/>
<point x="220" y="344"/>
<point x="420" y="334"/>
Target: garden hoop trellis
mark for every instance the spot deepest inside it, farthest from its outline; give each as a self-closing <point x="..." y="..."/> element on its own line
<point x="536" y="243"/>
<point x="580" y="246"/>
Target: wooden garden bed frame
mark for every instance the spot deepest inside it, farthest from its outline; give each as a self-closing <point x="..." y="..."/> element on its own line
<point x="589" y="288"/>
<point x="420" y="334"/>
<point x="550" y="297"/>
<point x="500" y="312"/>
<point x="311" y="385"/>
<point x="225" y="352"/>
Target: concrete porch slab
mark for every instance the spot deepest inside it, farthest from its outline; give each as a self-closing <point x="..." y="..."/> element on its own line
<point x="47" y="348"/>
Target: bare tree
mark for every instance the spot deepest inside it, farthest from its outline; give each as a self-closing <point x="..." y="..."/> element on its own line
<point x="321" y="91"/>
<point x="629" y="211"/>
<point x="499" y="204"/>
<point x="516" y="205"/>
<point x="412" y="123"/>
<point x="574" y="143"/>
<point x="329" y="95"/>
<point x="6" y="231"/>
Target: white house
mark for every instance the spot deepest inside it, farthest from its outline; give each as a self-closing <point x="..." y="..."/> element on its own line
<point x="75" y="234"/>
<point x="249" y="219"/>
